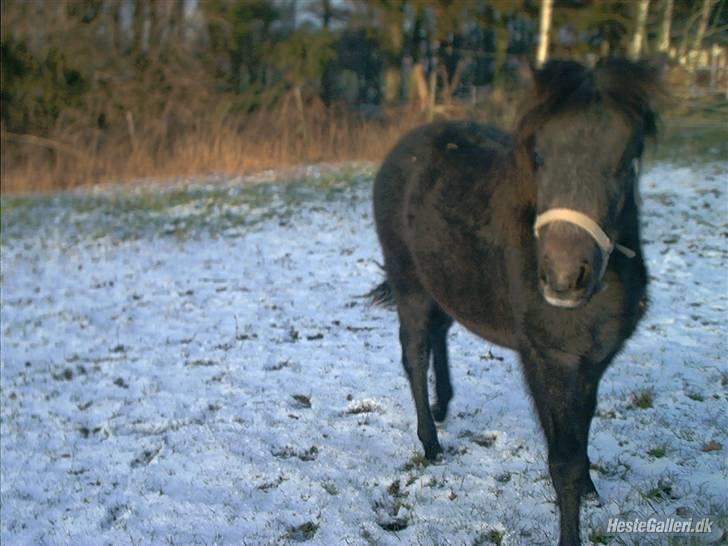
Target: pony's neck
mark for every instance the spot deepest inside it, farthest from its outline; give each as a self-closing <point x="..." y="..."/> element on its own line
<point x="516" y="198"/>
<point x="524" y="175"/>
<point x="630" y="236"/>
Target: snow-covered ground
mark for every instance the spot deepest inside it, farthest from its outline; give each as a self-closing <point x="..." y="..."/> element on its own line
<point x="194" y="365"/>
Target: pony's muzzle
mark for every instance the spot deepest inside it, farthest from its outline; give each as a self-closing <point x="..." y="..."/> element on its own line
<point x="568" y="260"/>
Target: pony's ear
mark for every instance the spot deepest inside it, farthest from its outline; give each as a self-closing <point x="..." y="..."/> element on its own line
<point x="661" y="99"/>
<point x="637" y="86"/>
<point x="559" y="74"/>
<point x="527" y="72"/>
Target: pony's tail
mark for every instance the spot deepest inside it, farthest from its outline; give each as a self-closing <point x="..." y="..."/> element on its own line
<point x="381" y="295"/>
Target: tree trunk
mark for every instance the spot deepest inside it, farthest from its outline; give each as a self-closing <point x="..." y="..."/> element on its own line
<point x="392" y="84"/>
<point x="663" y="44"/>
<point x="694" y="53"/>
<point x="326" y="13"/>
<point x="501" y="52"/>
<point x="415" y="46"/>
<point x="420" y="85"/>
<point x="138" y="27"/>
<point x="432" y="96"/>
<point x="544" y="31"/>
<point x="638" y="38"/>
<point x="118" y="30"/>
<point x="153" y="26"/>
<point x="177" y="23"/>
<point x="450" y="83"/>
<point x="703" y="25"/>
<point x="394" y="21"/>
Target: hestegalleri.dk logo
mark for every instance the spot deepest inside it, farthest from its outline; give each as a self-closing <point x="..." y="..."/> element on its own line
<point x="655" y="525"/>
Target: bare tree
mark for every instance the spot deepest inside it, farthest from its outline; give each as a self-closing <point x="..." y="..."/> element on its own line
<point x="327" y="12"/>
<point x="177" y="21"/>
<point x="638" y="37"/>
<point x="703" y="25"/>
<point x="118" y="29"/>
<point x="154" y="27"/>
<point x="544" y="30"/>
<point x="663" y="43"/>
<point x="138" y="26"/>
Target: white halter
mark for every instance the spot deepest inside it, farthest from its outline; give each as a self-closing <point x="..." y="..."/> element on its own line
<point x="577" y="218"/>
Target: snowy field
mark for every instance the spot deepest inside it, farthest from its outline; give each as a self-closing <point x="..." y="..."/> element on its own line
<point x="193" y="364"/>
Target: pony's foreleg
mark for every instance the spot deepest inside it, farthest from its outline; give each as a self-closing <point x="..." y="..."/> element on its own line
<point x="565" y="398"/>
<point x="413" y="317"/>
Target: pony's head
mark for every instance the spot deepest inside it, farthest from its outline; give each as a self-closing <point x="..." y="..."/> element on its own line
<point x="583" y="131"/>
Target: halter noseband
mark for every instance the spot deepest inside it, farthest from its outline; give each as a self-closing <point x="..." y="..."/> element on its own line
<point x="577" y="218"/>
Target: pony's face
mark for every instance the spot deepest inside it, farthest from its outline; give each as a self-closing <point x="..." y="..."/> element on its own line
<point x="586" y="169"/>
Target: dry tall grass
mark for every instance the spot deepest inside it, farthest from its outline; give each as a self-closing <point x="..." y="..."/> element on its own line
<point x="265" y="140"/>
<point x="232" y="145"/>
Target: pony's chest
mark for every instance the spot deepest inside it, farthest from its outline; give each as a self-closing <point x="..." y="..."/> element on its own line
<point x="594" y="332"/>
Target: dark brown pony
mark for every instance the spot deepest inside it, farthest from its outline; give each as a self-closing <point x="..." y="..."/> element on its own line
<point x="532" y="241"/>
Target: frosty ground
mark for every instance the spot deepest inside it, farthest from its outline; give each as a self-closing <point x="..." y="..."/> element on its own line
<point x="193" y="364"/>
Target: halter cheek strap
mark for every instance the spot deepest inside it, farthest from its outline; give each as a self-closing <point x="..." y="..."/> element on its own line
<point x="587" y="224"/>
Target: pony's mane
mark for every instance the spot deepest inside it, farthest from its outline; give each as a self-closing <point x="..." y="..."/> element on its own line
<point x="632" y="88"/>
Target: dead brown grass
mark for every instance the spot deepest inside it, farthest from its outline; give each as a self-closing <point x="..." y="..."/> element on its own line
<point x="241" y="144"/>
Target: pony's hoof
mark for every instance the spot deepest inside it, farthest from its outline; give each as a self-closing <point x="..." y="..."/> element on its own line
<point x="438" y="412"/>
<point x="433" y="453"/>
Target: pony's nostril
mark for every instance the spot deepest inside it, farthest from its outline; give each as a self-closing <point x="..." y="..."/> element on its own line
<point x="582" y="276"/>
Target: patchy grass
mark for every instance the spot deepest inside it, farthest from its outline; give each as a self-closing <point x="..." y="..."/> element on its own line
<point x="642" y="399"/>
<point x="490" y="537"/>
<point x="393" y="511"/>
<point x="662" y="491"/>
<point x="302" y="400"/>
<point x="180" y="211"/>
<point x="271" y="484"/>
<point x="657" y="452"/>
<point x="485" y="440"/>
<point x="686" y="141"/>
<point x="358" y="407"/>
<point x="712" y="446"/>
<point x="599" y="536"/>
<point x="288" y="452"/>
<point x="330" y="487"/>
<point x="416" y="461"/>
<point x="302" y="533"/>
<point x="694" y="395"/>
